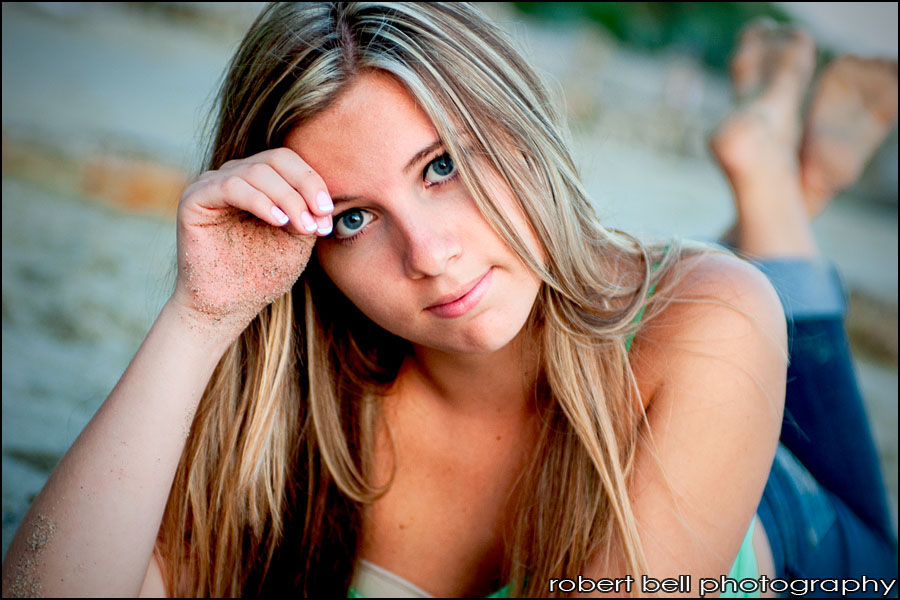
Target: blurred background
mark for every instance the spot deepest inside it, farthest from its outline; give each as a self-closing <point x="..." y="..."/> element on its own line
<point x="102" y="111"/>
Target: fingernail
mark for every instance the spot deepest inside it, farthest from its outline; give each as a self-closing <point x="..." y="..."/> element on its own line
<point x="279" y="215"/>
<point x="324" y="201"/>
<point x="324" y="225"/>
<point x="308" y="222"/>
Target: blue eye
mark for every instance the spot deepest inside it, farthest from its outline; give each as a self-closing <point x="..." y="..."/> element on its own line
<point x="351" y="222"/>
<point x="442" y="167"/>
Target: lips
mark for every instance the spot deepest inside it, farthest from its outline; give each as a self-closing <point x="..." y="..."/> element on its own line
<point x="464" y="300"/>
<point x="448" y="298"/>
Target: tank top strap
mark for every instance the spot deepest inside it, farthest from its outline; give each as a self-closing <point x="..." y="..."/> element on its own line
<point x="629" y="339"/>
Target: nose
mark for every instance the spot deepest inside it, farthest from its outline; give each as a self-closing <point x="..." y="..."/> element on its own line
<point x="430" y="243"/>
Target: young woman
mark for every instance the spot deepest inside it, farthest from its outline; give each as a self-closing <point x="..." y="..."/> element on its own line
<point x="402" y="350"/>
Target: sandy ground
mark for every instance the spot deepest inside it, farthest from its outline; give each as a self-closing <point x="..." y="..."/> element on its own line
<point x="90" y="93"/>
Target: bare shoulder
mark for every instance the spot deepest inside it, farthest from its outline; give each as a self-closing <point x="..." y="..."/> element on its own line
<point x="154" y="585"/>
<point x="713" y="363"/>
<point x="725" y="277"/>
<point x="718" y="307"/>
<point x="705" y="281"/>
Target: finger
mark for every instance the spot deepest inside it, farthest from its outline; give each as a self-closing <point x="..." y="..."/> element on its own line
<point x="324" y="225"/>
<point x="237" y="192"/>
<point x="302" y="178"/>
<point x="298" y="175"/>
<point x="266" y="179"/>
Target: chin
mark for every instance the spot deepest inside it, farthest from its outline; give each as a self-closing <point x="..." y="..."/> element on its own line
<point x="484" y="335"/>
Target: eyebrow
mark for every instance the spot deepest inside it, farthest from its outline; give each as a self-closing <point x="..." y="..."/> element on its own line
<point x="419" y="156"/>
<point x="422" y="154"/>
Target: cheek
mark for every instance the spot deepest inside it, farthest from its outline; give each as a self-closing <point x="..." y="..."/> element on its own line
<point x="361" y="277"/>
<point x="511" y="208"/>
<point x="371" y="296"/>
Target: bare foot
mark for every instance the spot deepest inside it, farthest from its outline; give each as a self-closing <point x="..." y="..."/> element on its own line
<point x="853" y="108"/>
<point x="757" y="143"/>
<point x="770" y="72"/>
<point x="768" y="52"/>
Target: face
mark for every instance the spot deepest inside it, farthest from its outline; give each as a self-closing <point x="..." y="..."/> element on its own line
<point x="410" y="248"/>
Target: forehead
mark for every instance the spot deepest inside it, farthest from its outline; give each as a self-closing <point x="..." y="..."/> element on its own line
<point x="369" y="133"/>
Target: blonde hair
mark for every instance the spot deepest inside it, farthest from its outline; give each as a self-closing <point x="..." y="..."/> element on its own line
<point x="277" y="467"/>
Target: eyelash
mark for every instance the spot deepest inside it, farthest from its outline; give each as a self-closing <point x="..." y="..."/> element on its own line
<point x="353" y="238"/>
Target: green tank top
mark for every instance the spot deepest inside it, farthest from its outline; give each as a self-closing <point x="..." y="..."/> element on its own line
<point x="745" y="565"/>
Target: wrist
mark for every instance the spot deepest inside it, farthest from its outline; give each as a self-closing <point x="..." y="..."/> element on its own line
<point x="207" y="332"/>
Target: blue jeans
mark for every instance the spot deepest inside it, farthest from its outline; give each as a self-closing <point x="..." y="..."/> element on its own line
<point x="825" y="506"/>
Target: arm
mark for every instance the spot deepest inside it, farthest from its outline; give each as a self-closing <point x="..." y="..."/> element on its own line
<point x="97" y="518"/>
<point x="715" y="411"/>
<point x="93" y="527"/>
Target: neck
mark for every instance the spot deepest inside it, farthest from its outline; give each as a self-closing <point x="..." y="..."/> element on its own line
<point x="497" y="385"/>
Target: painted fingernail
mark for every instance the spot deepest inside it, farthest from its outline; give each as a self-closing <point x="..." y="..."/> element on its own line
<point x="324" y="225"/>
<point x="324" y="201"/>
<point x="308" y="222"/>
<point x="279" y="215"/>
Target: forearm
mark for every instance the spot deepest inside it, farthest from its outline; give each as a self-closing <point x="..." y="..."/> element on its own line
<point x="92" y="528"/>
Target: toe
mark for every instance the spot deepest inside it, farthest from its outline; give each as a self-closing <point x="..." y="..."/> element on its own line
<point x="757" y="29"/>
